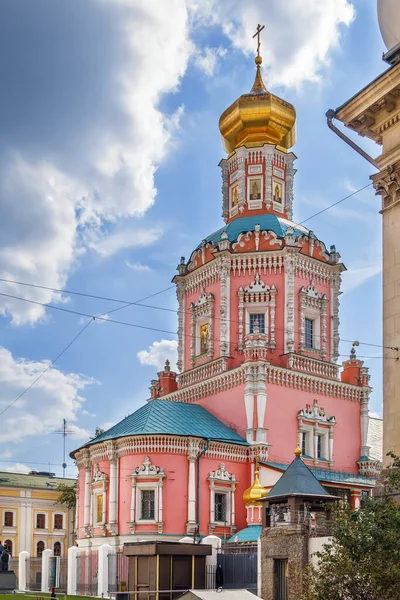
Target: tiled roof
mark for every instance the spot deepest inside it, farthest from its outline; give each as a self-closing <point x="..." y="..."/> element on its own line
<point x="267" y="222"/>
<point x="375" y="437"/>
<point x="297" y="480"/>
<point x="164" y="417"/>
<point x="329" y="476"/>
<point x="32" y="481"/>
<point x="250" y="534"/>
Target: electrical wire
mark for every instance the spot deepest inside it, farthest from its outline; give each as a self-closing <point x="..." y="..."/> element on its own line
<point x="334" y="204"/>
<point x="150" y="306"/>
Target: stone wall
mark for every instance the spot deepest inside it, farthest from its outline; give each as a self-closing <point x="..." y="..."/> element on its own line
<point x="291" y="543"/>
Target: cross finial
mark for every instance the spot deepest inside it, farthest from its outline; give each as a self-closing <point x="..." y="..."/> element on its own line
<point x="257" y="34"/>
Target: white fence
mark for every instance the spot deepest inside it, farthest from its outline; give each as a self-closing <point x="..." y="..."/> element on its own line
<point x="96" y="572"/>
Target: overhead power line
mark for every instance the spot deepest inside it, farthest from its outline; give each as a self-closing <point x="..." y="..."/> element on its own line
<point x="334" y="204"/>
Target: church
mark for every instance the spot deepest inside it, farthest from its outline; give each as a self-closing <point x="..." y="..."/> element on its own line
<point x="258" y="337"/>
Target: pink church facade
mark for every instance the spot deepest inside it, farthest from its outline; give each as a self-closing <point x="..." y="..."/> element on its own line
<point x="258" y="338"/>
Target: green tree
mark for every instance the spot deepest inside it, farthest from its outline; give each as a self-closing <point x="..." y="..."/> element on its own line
<point x="363" y="560"/>
<point x="98" y="431"/>
<point x="67" y="495"/>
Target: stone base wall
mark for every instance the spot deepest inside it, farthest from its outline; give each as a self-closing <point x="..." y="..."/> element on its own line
<point x="291" y="543"/>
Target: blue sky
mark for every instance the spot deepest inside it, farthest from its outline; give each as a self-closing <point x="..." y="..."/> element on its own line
<point x="109" y="153"/>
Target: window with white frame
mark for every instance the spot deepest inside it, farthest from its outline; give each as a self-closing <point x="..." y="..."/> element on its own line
<point x="147" y="497"/>
<point x="147" y="505"/>
<point x="9" y="518"/>
<point x="222" y="499"/>
<point x="99" y="487"/>
<point x="201" y="327"/>
<point x="313" y="320"/>
<point x="257" y="322"/>
<point x="220" y="503"/>
<point x="316" y="429"/>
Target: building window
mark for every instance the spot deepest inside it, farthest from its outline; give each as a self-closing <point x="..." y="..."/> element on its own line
<point x="8" y="519"/>
<point x="204" y="334"/>
<point x="58" y="521"/>
<point x="40" y="521"/>
<point x="303" y="443"/>
<point x="8" y="545"/>
<point x="57" y="549"/>
<point x="39" y="549"/>
<point x="220" y="508"/>
<point x="319" y="446"/>
<point x="257" y="322"/>
<point x="148" y="505"/>
<point x="309" y="333"/>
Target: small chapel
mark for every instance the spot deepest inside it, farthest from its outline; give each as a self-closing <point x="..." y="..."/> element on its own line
<point x="258" y="338"/>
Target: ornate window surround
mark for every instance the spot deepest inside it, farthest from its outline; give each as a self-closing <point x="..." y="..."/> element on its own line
<point x="313" y="305"/>
<point x="147" y="477"/>
<point x="314" y="422"/>
<point x="222" y="482"/>
<point x="201" y="311"/>
<point x="255" y="204"/>
<point x="99" y="487"/>
<point x="257" y="297"/>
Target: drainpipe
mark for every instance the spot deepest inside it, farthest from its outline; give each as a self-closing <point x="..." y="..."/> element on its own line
<point x="198" y="482"/>
<point x="330" y="115"/>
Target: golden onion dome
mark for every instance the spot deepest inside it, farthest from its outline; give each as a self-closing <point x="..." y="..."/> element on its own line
<point x="254" y="493"/>
<point x="258" y="118"/>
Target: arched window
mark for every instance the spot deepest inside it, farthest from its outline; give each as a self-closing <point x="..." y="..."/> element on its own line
<point x="39" y="548"/>
<point x="57" y="549"/>
<point x="40" y="521"/>
<point x="8" y="545"/>
<point x="8" y="519"/>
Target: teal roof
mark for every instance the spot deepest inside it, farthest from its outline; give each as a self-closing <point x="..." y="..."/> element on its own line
<point x="171" y="418"/>
<point x="330" y="476"/>
<point x="297" y="480"/>
<point x="250" y="534"/>
<point x="267" y="222"/>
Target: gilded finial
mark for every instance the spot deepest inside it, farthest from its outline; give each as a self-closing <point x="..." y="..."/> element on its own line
<point x="258" y="85"/>
<point x="297" y="452"/>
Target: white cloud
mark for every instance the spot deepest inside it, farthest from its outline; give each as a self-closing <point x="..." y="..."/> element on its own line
<point x="206" y="60"/>
<point x="158" y="353"/>
<point x="358" y="275"/>
<point x="110" y="244"/>
<point x="55" y="396"/>
<point x="16" y="468"/>
<point x="298" y="35"/>
<point x="137" y="266"/>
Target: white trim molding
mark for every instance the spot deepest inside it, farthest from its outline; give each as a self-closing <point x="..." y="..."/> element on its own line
<point x="222" y="482"/>
<point x="315" y="423"/>
<point x="147" y="477"/>
<point x="313" y="306"/>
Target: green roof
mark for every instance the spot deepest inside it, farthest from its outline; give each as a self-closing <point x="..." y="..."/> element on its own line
<point x="163" y="417"/>
<point x="32" y="480"/>
<point x="250" y="534"/>
<point x="267" y="222"/>
<point x="297" y="480"/>
<point x="330" y="476"/>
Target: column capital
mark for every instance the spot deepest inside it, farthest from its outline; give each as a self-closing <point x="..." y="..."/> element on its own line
<point x="387" y="185"/>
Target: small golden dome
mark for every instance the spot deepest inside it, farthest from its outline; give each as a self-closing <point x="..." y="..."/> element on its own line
<point x="297" y="452"/>
<point x="258" y="118"/>
<point x="254" y="493"/>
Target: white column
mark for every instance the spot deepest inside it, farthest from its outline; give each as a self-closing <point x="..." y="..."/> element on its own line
<point x="72" y="570"/>
<point x="28" y="522"/>
<point x="112" y="509"/>
<point x="45" y="569"/>
<point x="103" y="553"/>
<point x="160" y="507"/>
<point x="259" y="567"/>
<point x="215" y="542"/>
<point x="233" y="506"/>
<point x="192" y="491"/>
<point x="364" y="421"/>
<point x="212" y="507"/>
<point x="261" y="406"/>
<point x="315" y="443"/>
<point x="88" y="481"/>
<point x="23" y="559"/>
<point x="22" y="525"/>
<point x="133" y="501"/>
<point x="331" y="444"/>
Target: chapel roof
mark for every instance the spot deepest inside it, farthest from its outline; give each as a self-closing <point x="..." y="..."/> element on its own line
<point x="249" y="534"/>
<point x="267" y="222"/>
<point x="298" y="480"/>
<point x="162" y="417"/>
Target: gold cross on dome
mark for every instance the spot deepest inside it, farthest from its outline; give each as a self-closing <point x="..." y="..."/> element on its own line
<point x="257" y="34"/>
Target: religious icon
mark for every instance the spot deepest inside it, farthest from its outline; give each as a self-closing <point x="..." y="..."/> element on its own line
<point x="234" y="195"/>
<point x="99" y="508"/>
<point x="278" y="192"/>
<point x="204" y="337"/>
<point x="255" y="189"/>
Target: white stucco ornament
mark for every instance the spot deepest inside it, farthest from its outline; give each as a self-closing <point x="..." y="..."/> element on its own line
<point x="389" y="22"/>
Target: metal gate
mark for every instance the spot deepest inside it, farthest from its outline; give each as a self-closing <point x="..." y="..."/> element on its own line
<point x="87" y="573"/>
<point x="62" y="585"/>
<point x="34" y="571"/>
<point x="117" y="572"/>
<point x="237" y="564"/>
<point x="280" y="579"/>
